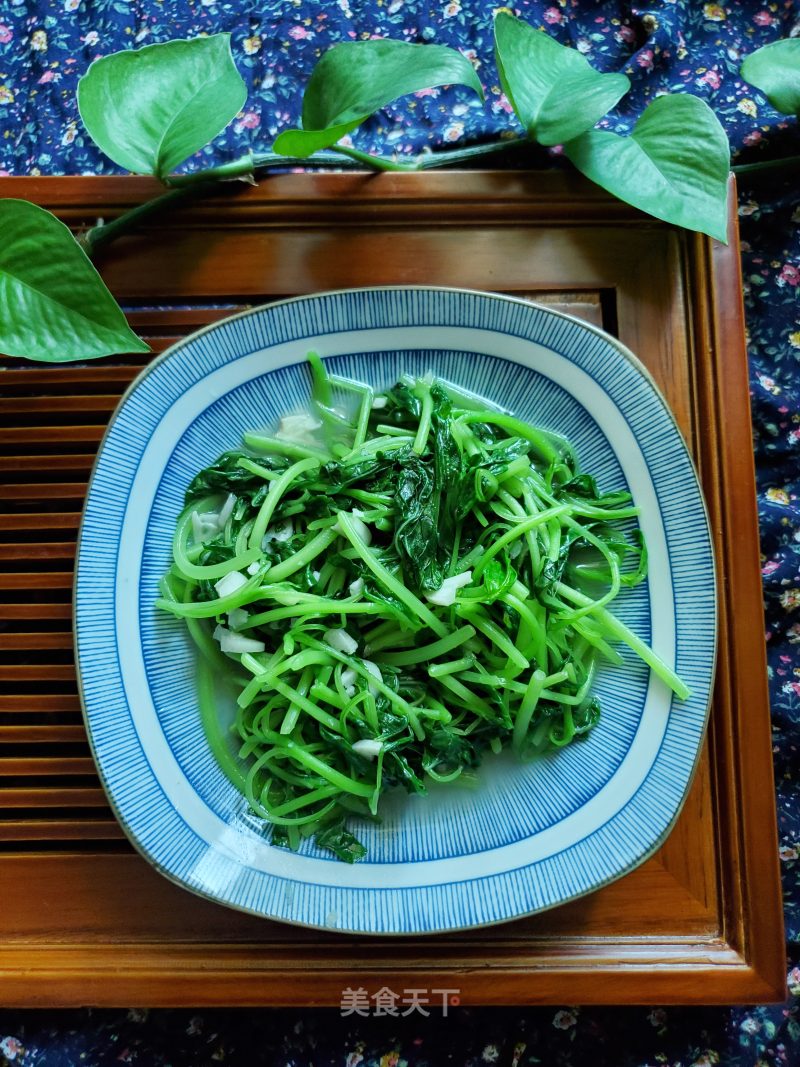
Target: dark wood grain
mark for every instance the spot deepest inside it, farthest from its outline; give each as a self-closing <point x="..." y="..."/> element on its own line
<point x="84" y="919"/>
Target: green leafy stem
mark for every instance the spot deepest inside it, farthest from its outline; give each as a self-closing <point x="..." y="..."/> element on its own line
<point x="151" y="109"/>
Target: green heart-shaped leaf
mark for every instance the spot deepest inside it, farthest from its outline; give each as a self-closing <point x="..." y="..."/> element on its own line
<point x="355" y="79"/>
<point x="674" y="165"/>
<point x="775" y="70"/>
<point x="54" y="305"/>
<point x="554" y="91"/>
<point x="151" y="109"/>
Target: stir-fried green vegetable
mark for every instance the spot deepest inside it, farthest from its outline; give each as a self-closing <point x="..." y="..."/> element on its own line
<point x="395" y="586"/>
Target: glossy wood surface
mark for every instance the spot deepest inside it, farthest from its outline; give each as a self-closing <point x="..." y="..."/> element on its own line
<point x="83" y="918"/>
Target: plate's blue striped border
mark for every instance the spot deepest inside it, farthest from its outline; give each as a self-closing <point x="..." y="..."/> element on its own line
<point x="160" y="832"/>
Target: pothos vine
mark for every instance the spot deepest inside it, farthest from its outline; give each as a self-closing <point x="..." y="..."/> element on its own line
<point x="151" y="109"/>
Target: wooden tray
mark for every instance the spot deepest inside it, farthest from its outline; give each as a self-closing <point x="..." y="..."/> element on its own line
<point x="83" y="919"/>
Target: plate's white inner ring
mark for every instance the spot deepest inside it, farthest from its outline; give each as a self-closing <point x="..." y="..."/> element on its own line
<point x="241" y="845"/>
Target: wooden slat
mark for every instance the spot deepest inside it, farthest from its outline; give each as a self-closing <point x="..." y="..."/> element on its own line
<point x="645" y="975"/>
<point x="133" y="897"/>
<point x="25" y="405"/>
<point x="321" y="200"/>
<point x="498" y="257"/>
<point x="36" y="611"/>
<point x="74" y="379"/>
<point x="33" y="520"/>
<point x="35" y="579"/>
<point x="17" y="830"/>
<point x="33" y="551"/>
<point x="42" y="767"/>
<point x="41" y="704"/>
<point x="51" y="435"/>
<point x="178" y="320"/>
<point x="160" y="344"/>
<point x="54" y="734"/>
<point x="44" y="491"/>
<point x="27" y="672"/>
<point x="53" y="797"/>
<point x="77" y="462"/>
<point x="29" y="641"/>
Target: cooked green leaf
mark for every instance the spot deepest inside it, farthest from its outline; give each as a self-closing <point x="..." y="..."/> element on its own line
<point x="674" y="165"/>
<point x="341" y="843"/>
<point x="554" y="91"/>
<point x="417" y="526"/>
<point x="584" y="486"/>
<point x="775" y="70"/>
<point x="224" y="475"/>
<point x="498" y="578"/>
<point x="152" y="108"/>
<point x="54" y="305"/>
<point x="355" y="79"/>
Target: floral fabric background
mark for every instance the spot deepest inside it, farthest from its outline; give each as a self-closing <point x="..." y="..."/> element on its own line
<point x="667" y="45"/>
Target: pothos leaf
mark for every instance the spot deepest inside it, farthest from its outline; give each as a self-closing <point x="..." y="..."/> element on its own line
<point x="775" y="70"/>
<point x="151" y="108"/>
<point x="54" y="306"/>
<point x="554" y="91"/>
<point x="674" y="165"/>
<point x="354" y="79"/>
<point x="304" y="143"/>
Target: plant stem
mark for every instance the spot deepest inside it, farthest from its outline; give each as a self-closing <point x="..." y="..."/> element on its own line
<point x="184" y="186"/>
<point x="432" y="160"/>
<point x="269" y="160"/>
<point x="789" y="163"/>
<point x="247" y="166"/>
<point x="450" y="157"/>
<point x="374" y="162"/>
<point x="105" y="232"/>
<point x="236" y="168"/>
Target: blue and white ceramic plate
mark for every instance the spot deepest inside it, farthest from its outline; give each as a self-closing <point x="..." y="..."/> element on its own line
<point x="530" y="836"/>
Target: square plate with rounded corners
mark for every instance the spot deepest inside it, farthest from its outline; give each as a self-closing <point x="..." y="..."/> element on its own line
<point x="530" y="836"/>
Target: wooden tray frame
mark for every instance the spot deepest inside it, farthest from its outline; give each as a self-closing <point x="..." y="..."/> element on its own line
<point x="83" y="920"/>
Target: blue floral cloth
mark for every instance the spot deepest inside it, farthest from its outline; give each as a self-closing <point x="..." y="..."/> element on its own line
<point x="667" y="45"/>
